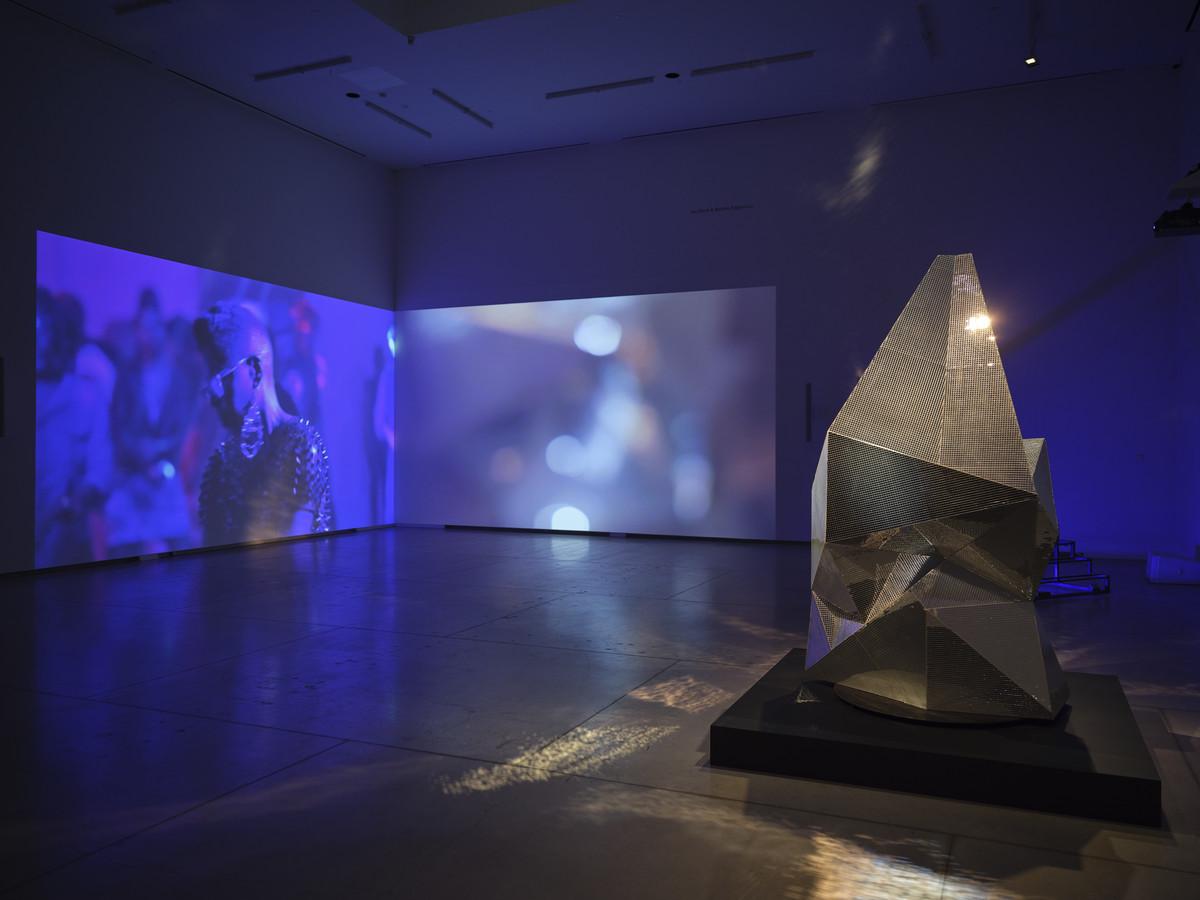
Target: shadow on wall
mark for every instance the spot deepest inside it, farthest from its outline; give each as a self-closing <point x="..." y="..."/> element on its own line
<point x="1099" y="287"/>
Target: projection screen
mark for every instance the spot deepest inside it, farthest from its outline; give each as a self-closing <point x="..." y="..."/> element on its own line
<point x="650" y="414"/>
<point x="180" y="407"/>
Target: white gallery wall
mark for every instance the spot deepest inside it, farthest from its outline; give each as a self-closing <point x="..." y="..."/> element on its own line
<point x="1053" y="186"/>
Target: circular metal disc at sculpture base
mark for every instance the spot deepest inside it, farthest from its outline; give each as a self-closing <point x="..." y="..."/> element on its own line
<point x="887" y="706"/>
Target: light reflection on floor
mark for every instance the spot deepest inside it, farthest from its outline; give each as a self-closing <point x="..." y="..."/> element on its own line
<point x="797" y="858"/>
<point x="684" y="692"/>
<point x="761" y="632"/>
<point x="293" y="707"/>
<point x="586" y="749"/>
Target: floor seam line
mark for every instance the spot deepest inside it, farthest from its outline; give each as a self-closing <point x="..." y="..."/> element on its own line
<point x="606" y="706"/>
<point x="224" y="721"/>
<point x="694" y="586"/>
<point x="1177" y="740"/>
<point x="455" y="634"/>
<point x="946" y="866"/>
<point x="685" y="659"/>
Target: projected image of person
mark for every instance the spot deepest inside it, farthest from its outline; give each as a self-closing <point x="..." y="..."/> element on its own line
<point x="181" y="407"/>
<point x="74" y="460"/>
<point x="271" y="476"/>
<point x="152" y="408"/>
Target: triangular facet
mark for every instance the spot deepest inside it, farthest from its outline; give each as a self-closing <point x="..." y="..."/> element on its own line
<point x="829" y="584"/>
<point x="872" y="489"/>
<point x="1006" y="635"/>
<point x="979" y="430"/>
<point x="961" y="680"/>
<point x="819" y="491"/>
<point x="1039" y="466"/>
<point x="949" y="584"/>
<point x="1007" y="552"/>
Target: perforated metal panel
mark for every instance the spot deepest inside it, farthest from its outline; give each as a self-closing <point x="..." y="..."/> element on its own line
<point x="931" y="517"/>
<point x="870" y="489"/>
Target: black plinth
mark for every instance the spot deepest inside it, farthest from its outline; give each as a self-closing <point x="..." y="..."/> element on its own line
<point x="1091" y="761"/>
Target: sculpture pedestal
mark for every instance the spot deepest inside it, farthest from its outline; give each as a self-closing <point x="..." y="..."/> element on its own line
<point x="1091" y="761"/>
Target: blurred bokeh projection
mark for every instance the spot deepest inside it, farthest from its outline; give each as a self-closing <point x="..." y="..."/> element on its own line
<point x="648" y="414"/>
<point x="180" y="407"/>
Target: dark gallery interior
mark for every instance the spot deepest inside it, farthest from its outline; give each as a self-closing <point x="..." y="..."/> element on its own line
<point x="600" y="448"/>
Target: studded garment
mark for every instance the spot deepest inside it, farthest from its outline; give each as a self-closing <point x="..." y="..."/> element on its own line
<point x="257" y="499"/>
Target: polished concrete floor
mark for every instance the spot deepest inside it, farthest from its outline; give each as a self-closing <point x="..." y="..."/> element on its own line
<point x="428" y="713"/>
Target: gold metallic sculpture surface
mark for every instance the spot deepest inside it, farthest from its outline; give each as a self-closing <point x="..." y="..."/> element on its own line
<point x="933" y="520"/>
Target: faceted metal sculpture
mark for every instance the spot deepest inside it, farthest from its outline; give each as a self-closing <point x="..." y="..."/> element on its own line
<point x="933" y="520"/>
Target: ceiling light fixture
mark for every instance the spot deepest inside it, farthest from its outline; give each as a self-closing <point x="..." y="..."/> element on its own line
<point x="597" y="88"/>
<point x="760" y="63"/>
<point x="133" y="6"/>
<point x="1034" y="18"/>
<point x="303" y="67"/>
<point x="399" y="120"/>
<point x="462" y="108"/>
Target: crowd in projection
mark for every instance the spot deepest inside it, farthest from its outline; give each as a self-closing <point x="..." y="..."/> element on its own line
<point x="180" y="407"/>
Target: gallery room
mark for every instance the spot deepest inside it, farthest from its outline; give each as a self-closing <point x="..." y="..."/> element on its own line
<point x="600" y="448"/>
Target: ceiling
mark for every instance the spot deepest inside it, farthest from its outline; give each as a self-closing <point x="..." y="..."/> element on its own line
<point x="456" y="91"/>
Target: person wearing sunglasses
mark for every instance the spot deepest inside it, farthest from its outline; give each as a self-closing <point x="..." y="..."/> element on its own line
<point x="270" y="477"/>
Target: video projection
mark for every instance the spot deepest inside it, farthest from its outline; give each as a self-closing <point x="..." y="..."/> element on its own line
<point x="179" y="407"/>
<point x="648" y="414"/>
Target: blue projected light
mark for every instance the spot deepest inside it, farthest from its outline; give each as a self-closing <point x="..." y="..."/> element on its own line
<point x="180" y="407"/>
<point x="637" y="414"/>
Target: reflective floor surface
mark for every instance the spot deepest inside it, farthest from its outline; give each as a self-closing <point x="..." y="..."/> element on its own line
<point x="429" y="713"/>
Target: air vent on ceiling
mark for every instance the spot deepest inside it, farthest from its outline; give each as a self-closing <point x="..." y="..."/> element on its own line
<point x="399" y="120"/>
<point x="372" y="78"/>
<point x="313" y="66"/>
<point x="760" y="63"/>
<point x="597" y="88"/>
<point x="462" y="108"/>
<point x="133" y="6"/>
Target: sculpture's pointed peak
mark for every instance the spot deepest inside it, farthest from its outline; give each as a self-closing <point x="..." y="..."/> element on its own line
<point x="979" y="429"/>
<point x="923" y="324"/>
<point x="936" y="389"/>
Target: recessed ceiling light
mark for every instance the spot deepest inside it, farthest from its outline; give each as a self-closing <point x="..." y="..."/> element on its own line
<point x="671" y="75"/>
<point x="353" y="95"/>
<point x="372" y="79"/>
<point x="1031" y="61"/>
